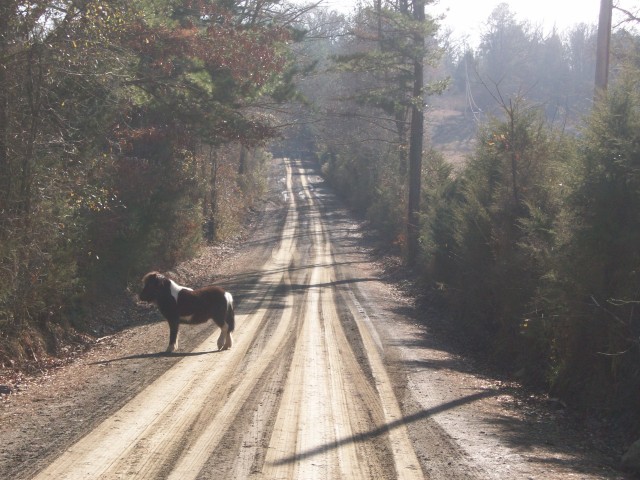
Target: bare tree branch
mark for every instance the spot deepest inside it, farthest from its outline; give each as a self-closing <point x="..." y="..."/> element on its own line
<point x="631" y="17"/>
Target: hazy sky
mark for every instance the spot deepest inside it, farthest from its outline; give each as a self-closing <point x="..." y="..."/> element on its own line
<point x="465" y="17"/>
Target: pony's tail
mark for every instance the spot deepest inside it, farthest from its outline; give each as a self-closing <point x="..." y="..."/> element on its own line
<point x="231" y="314"/>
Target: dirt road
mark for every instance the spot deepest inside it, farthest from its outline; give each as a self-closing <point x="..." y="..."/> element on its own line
<point x="326" y="379"/>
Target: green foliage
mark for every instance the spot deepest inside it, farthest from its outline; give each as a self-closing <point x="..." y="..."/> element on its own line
<point x="532" y="246"/>
<point x="597" y="282"/>
<point x="369" y="182"/>
<point x="157" y="222"/>
<point x="534" y="249"/>
<point x="105" y="112"/>
<point x="438" y="195"/>
<point x="253" y="175"/>
<point x="362" y="107"/>
<point x="489" y="231"/>
<point x="383" y="51"/>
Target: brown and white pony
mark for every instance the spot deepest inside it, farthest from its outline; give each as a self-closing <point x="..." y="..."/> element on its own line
<point x="184" y="305"/>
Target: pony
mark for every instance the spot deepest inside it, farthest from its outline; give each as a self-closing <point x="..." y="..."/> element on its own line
<point x="180" y="304"/>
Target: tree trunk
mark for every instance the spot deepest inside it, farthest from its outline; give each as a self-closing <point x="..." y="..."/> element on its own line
<point x="4" y="103"/>
<point x="210" y="199"/>
<point x="416" y="139"/>
<point x="513" y="152"/>
<point x="602" y="50"/>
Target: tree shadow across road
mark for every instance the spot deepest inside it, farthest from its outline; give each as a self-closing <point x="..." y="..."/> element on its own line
<point x="384" y="429"/>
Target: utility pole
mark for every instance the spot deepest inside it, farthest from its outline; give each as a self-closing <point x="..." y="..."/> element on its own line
<point x="602" y="50"/>
<point x="416" y="136"/>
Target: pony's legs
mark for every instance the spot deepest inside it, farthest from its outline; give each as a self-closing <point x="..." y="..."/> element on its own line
<point x="222" y="339"/>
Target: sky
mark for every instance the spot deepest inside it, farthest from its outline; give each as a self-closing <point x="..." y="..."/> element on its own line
<point x="466" y="17"/>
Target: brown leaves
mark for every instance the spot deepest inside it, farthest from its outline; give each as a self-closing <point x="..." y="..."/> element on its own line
<point x="252" y="54"/>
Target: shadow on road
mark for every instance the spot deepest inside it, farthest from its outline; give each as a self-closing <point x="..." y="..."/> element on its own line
<point x="154" y="355"/>
<point x="366" y="436"/>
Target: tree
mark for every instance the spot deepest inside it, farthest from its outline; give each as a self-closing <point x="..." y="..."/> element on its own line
<point x="382" y="68"/>
<point x="491" y="235"/>
<point x="597" y="284"/>
<point x="416" y="137"/>
<point x="604" y="40"/>
<point x="506" y="59"/>
<point x="105" y="109"/>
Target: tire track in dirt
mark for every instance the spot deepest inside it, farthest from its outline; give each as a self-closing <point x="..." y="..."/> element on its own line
<point x="331" y="377"/>
<point x="291" y="400"/>
<point x="336" y="389"/>
<point x="139" y="437"/>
